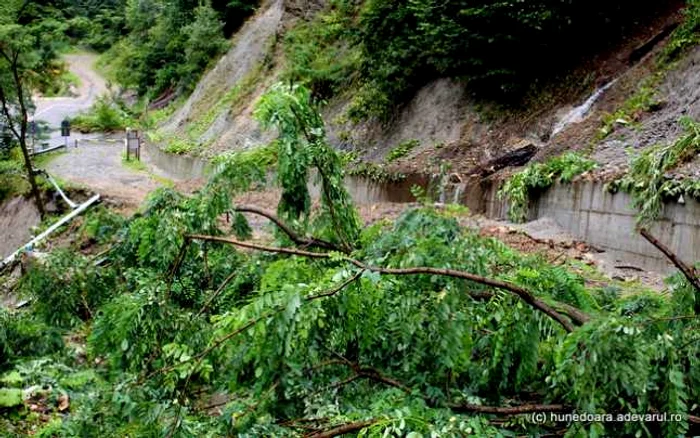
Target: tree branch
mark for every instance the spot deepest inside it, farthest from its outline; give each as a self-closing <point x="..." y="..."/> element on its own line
<point x="250" y="323"/>
<point x="508" y="410"/>
<point x="688" y="271"/>
<point x="302" y="241"/>
<point x="221" y="287"/>
<point x="342" y="429"/>
<point x="578" y="317"/>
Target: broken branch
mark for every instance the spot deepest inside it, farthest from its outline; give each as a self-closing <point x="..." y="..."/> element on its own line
<point x="688" y="271"/>
<point x="301" y="241"/>
<point x="578" y="317"/>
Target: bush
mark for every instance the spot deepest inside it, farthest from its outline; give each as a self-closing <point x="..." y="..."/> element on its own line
<point x="647" y="179"/>
<point x="403" y="149"/>
<point x="21" y="336"/>
<point x="537" y="178"/>
<point x="103" y="116"/>
<point x="67" y="288"/>
<point x="320" y="53"/>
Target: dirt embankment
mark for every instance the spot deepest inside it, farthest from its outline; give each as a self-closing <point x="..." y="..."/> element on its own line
<point x="17" y="217"/>
<point x="448" y="125"/>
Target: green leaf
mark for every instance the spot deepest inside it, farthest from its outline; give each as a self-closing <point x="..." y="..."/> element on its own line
<point x="10" y="397"/>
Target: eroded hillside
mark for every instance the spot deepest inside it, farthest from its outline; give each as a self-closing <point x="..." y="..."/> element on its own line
<point x="443" y="122"/>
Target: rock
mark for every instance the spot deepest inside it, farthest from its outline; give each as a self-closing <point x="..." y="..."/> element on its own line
<point x="63" y="402"/>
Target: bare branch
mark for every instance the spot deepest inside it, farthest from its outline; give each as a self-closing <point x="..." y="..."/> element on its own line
<point x="216" y="293"/>
<point x="302" y="241"/>
<point x="688" y="271"/>
<point x="342" y="429"/>
<point x="508" y="410"/>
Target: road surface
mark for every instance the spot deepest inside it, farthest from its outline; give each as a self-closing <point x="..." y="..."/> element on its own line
<point x="97" y="161"/>
<point x="54" y="109"/>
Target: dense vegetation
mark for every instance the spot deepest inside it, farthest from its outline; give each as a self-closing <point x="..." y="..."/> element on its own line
<point x="536" y="178"/>
<point x="389" y="49"/>
<point x="416" y="327"/>
<point x="649" y="180"/>
<point x="154" y="45"/>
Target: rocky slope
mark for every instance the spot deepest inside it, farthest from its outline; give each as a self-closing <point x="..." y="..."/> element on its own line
<point x="445" y="123"/>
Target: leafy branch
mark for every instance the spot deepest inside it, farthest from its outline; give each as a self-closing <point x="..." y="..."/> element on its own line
<point x="523" y="294"/>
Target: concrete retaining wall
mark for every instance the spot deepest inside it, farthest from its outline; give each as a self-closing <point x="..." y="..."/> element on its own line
<point x="607" y="221"/>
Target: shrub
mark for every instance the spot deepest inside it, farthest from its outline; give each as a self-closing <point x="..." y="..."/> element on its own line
<point x="67" y="288"/>
<point x="403" y="149"/>
<point x="537" y="177"/>
<point x="22" y="336"/>
<point x="647" y="179"/>
<point x="103" y="116"/>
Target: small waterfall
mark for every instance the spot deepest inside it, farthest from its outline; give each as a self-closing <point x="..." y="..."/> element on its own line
<point x="579" y="113"/>
<point x="459" y="189"/>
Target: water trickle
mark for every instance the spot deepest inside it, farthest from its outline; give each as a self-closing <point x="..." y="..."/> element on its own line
<point x="578" y="114"/>
<point x="459" y="189"/>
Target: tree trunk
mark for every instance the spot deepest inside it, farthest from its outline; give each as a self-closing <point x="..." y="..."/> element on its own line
<point x="22" y="134"/>
<point x="36" y="194"/>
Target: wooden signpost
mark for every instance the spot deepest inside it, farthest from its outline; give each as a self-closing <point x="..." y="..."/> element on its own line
<point x="133" y="144"/>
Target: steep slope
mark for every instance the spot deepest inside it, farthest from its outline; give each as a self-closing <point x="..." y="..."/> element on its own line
<point x="218" y="112"/>
<point x="441" y="123"/>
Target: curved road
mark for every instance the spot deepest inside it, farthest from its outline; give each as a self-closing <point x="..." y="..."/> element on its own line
<point x="54" y="109"/>
<point x="97" y="161"/>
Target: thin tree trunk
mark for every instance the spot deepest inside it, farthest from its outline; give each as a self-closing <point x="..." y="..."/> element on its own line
<point x="20" y="132"/>
<point x="23" y="140"/>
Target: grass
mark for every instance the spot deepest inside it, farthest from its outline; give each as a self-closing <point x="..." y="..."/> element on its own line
<point x="135" y="165"/>
<point x="140" y="166"/>
<point x="243" y="88"/>
<point x="631" y="111"/>
<point x="402" y="149"/>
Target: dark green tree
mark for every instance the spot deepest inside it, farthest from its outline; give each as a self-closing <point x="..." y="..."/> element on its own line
<point x="27" y="47"/>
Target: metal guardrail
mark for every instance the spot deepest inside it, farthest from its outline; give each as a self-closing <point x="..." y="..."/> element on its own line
<point x="50" y="149"/>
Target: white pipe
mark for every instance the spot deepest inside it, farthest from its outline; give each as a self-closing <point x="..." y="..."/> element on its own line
<point x="50" y="230"/>
<point x="60" y="192"/>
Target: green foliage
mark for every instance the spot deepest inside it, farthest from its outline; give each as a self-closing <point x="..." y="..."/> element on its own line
<point x="686" y="36"/>
<point x="179" y="146"/>
<point x="402" y="149"/>
<point x="501" y="48"/>
<point x="22" y="336"/>
<point x="538" y="177"/>
<point x="291" y="342"/>
<point x="104" y="116"/>
<point x="647" y="180"/>
<point x="318" y="52"/>
<point x="57" y="81"/>
<point x="12" y="180"/>
<point x="643" y="100"/>
<point x="374" y="172"/>
<point x="68" y="288"/>
<point x="302" y="145"/>
<point x="168" y="45"/>
<point x="101" y="225"/>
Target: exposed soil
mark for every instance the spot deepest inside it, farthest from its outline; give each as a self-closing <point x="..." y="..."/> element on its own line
<point x="543" y="237"/>
<point x="17" y="217"/>
<point x="489" y="132"/>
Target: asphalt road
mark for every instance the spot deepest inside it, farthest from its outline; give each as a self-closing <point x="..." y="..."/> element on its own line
<point x="96" y="163"/>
